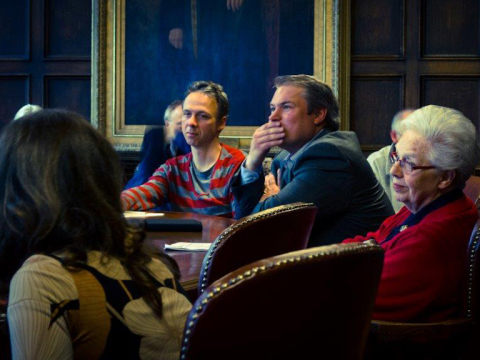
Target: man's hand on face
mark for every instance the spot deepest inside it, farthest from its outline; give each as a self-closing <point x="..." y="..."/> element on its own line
<point x="266" y="136"/>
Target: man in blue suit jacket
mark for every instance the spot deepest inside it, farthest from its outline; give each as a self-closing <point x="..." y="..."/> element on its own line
<point x="319" y="164"/>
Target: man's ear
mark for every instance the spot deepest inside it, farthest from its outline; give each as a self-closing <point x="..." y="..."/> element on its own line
<point x="447" y="179"/>
<point x="221" y="124"/>
<point x="393" y="136"/>
<point x="320" y="116"/>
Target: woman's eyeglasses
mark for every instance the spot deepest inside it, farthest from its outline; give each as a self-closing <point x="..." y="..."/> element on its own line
<point x="406" y="166"/>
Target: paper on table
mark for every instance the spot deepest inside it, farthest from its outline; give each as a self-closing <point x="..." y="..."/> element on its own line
<point x="185" y="246"/>
<point x="140" y="214"/>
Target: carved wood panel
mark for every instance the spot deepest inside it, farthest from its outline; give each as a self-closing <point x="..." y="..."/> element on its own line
<point x="450" y="29"/>
<point x="458" y="92"/>
<point x="14" y="92"/>
<point x="67" y="34"/>
<point x="382" y="94"/>
<point x="14" y="39"/>
<point x="377" y="29"/>
<point x="441" y="62"/>
<point x="43" y="39"/>
<point x="68" y="91"/>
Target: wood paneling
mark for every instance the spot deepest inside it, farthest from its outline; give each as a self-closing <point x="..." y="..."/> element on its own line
<point x="14" y="92"/>
<point x="30" y="30"/>
<point x="372" y="115"/>
<point x="67" y="34"/>
<point x="457" y="92"/>
<point x="440" y="64"/>
<point x="14" y="30"/>
<point x="450" y="28"/>
<point x="69" y="92"/>
<point x="377" y="29"/>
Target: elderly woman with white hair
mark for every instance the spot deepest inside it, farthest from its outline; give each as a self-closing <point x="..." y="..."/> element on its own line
<point x="425" y="243"/>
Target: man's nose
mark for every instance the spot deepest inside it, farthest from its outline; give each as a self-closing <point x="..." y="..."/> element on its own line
<point x="274" y="115"/>
<point x="192" y="120"/>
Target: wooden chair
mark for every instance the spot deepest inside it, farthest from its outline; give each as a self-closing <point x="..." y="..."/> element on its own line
<point x="4" y="335"/>
<point x="314" y="303"/>
<point x="472" y="189"/>
<point x="450" y="339"/>
<point x="271" y="232"/>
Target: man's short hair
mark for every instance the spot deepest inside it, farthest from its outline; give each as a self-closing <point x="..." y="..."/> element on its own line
<point x="317" y="95"/>
<point x="397" y="120"/>
<point x="170" y="108"/>
<point x="213" y="90"/>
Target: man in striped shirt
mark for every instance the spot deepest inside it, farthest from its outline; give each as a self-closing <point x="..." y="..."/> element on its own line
<point x="199" y="181"/>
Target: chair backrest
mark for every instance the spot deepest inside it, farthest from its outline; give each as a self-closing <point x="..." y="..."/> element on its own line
<point x="472" y="189"/>
<point x="268" y="233"/>
<point x="4" y="335"/>
<point x="471" y="304"/>
<point x="314" y="303"/>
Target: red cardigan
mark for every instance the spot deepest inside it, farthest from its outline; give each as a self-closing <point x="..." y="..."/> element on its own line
<point x="424" y="265"/>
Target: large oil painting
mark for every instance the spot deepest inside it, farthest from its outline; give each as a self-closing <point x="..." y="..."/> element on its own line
<point x="149" y="51"/>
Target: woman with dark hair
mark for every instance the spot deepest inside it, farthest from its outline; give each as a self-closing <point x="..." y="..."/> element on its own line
<point x="82" y="283"/>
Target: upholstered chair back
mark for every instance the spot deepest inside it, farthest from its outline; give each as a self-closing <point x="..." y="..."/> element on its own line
<point x="271" y="232"/>
<point x="309" y="304"/>
<point x="472" y="189"/>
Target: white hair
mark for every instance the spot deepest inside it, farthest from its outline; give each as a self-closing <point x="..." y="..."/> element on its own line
<point x="397" y="125"/>
<point x="168" y="111"/>
<point x="27" y="110"/>
<point x="452" y="138"/>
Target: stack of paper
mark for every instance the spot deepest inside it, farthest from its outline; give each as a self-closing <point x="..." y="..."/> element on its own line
<point x="140" y="214"/>
<point x="185" y="246"/>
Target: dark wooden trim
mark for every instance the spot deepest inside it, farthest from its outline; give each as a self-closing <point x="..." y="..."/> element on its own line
<point x="344" y="63"/>
<point x="99" y="62"/>
<point x="378" y="58"/>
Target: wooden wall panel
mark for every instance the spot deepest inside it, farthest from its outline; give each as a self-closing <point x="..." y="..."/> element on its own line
<point x="67" y="29"/>
<point x="441" y="62"/>
<point x="68" y="92"/>
<point x="461" y="93"/>
<point x="378" y="29"/>
<point x="450" y="28"/>
<point x="15" y="30"/>
<point x="14" y="92"/>
<point x="375" y="100"/>
<point x="45" y="39"/>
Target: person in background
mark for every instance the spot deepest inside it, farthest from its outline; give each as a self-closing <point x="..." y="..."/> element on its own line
<point x="426" y="242"/>
<point x="160" y="144"/>
<point x="26" y="110"/>
<point x="84" y="285"/>
<point x="199" y="181"/>
<point x="175" y="141"/>
<point x="380" y="160"/>
<point x="319" y="164"/>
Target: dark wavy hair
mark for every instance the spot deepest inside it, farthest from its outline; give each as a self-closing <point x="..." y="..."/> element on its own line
<point x="60" y="184"/>
<point x="317" y="95"/>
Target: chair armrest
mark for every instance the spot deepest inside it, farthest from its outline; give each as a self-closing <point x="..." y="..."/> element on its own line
<point x="386" y="331"/>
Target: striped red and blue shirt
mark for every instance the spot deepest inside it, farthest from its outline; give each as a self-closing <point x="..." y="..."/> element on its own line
<point x="174" y="183"/>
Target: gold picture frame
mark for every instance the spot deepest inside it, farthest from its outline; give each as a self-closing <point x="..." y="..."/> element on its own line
<point x="108" y="71"/>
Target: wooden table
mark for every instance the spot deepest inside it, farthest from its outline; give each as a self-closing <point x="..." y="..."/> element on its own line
<point x="190" y="262"/>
